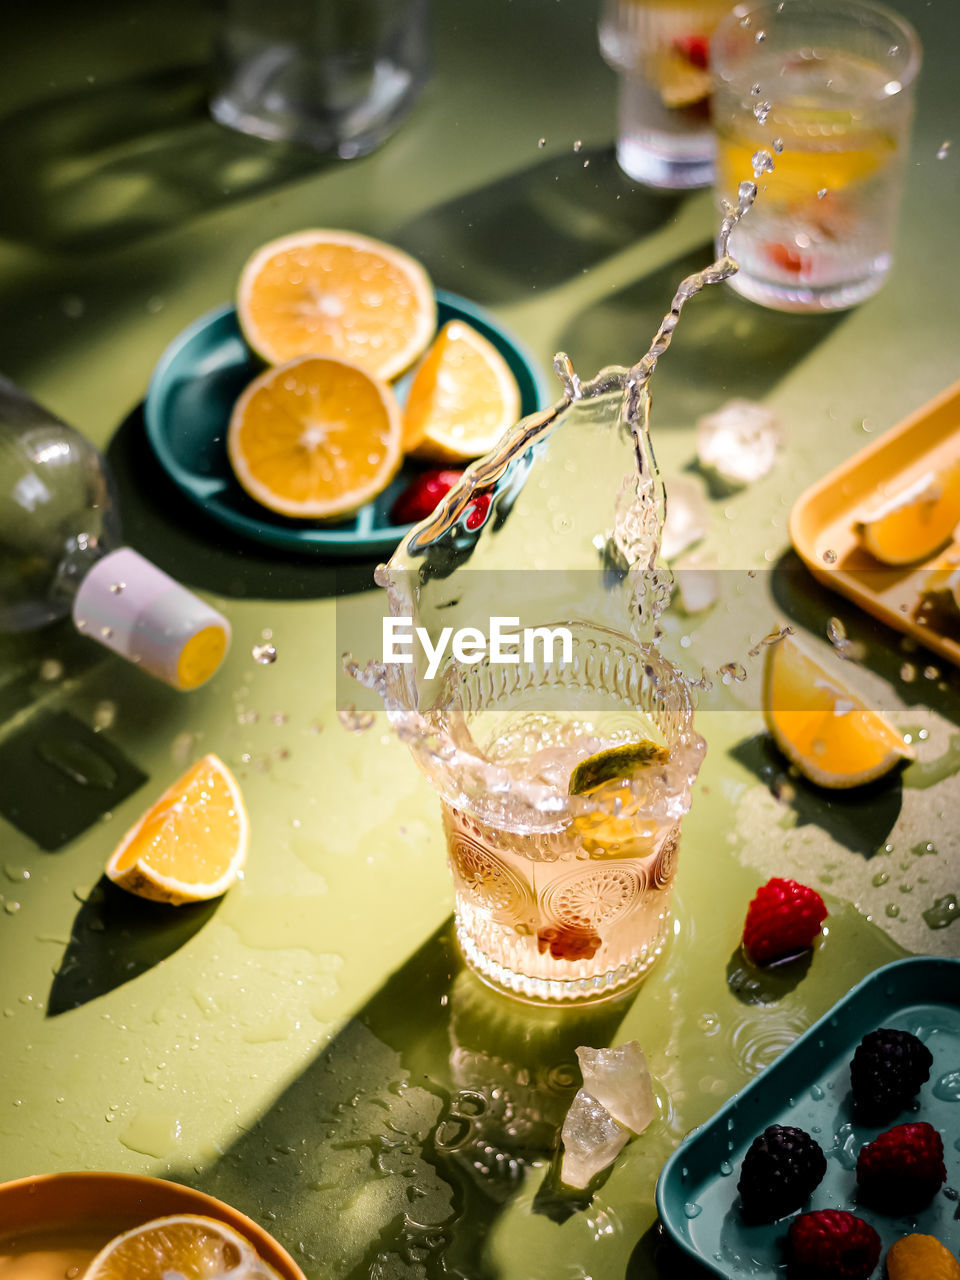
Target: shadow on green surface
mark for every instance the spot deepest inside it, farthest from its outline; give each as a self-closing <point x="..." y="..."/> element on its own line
<point x="657" y="1255"/>
<point x="116" y="937"/>
<point x="169" y="530"/>
<point x="726" y="345"/>
<point x="58" y="777"/>
<point x="375" y="1159"/>
<point x="128" y="160"/>
<point x="535" y="228"/>
<point x="753" y="985"/>
<point x="807" y="603"/>
<point x="860" y="819"/>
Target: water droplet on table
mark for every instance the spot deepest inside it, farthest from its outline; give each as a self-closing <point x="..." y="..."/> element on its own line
<point x="943" y="912"/>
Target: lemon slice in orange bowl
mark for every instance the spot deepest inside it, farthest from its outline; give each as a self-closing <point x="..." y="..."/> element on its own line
<point x="315" y="438"/>
<point x="915" y="522"/>
<point x="191" y="844"/>
<point x="336" y="293"/>
<point x="462" y="398"/>
<point x="184" y="1245"/>
<point x="821" y="725"/>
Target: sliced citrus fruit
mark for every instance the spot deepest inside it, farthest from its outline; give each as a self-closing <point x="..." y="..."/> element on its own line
<point x="334" y="293"/>
<point x="315" y="438"/>
<point x="462" y="399"/>
<point x="914" y="523"/>
<point x="188" y="1246"/>
<point x="680" y="82"/>
<point x="605" y="777"/>
<point x="191" y="844"/>
<point x="807" y="165"/>
<point x="614" y="763"/>
<point x="821" y="725"/>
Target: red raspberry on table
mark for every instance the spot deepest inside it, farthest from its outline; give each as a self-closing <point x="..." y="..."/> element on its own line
<point x="783" y="919"/>
<point x="832" y="1244"/>
<point x="421" y="495"/>
<point x="902" y="1169"/>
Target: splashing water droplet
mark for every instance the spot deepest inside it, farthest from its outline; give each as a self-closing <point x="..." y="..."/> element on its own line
<point x="264" y="654"/>
<point x="908" y="673"/>
<point x="762" y="162"/>
<point x="541" y="142"/>
<point x="51" y="670"/>
<point x="762" y="111"/>
<point x="829" y="556"/>
<point x="732" y="671"/>
<point x="692" y="1209"/>
<point x="354" y="720"/>
<point x="943" y="150"/>
<point x="118" y="587"/>
<point x="778" y="145"/>
<point x="760" y="37"/>
<point x="578" y="145"/>
<point x="755" y="91"/>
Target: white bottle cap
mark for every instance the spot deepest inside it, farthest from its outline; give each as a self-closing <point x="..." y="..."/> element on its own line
<point x="135" y="609"/>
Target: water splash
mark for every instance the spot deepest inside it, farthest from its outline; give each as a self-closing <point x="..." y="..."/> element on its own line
<point x="536" y="512"/>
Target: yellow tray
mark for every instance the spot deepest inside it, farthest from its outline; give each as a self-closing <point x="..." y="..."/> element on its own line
<point x="822" y="522"/>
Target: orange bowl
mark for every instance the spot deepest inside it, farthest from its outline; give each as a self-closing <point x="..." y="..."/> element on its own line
<point x="117" y="1202"/>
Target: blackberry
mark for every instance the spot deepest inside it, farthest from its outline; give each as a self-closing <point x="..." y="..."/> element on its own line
<point x="780" y="1170"/>
<point x="887" y="1070"/>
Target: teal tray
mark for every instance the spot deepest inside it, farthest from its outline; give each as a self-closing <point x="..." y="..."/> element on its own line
<point x="809" y="1086"/>
<point x="187" y="409"/>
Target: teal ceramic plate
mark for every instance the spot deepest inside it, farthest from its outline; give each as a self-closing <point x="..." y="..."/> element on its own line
<point x="193" y="389"/>
<point x="809" y="1086"/>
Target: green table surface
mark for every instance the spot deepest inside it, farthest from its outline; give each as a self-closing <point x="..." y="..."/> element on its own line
<point x="309" y="1047"/>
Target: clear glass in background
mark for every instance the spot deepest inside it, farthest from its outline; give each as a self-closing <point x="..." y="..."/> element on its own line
<point x="338" y="75"/>
<point x="831" y="82"/>
<point x="660" y="49"/>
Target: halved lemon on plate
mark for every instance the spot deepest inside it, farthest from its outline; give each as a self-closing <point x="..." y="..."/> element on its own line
<point x="186" y="1246"/>
<point x="462" y="399"/>
<point x="315" y="438"/>
<point x="336" y="293"/>
<point x="821" y="724"/>
<point x="914" y="523"/>
<point x="191" y="844"/>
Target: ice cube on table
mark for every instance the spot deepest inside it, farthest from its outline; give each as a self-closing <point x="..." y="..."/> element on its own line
<point x="697" y="584"/>
<point x="687" y="517"/>
<point x="738" y="442"/>
<point x="620" y="1081"/>
<point x="592" y="1139"/>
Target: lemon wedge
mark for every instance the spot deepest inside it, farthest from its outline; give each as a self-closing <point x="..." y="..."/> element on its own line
<point x="916" y="522"/>
<point x="821" y="725"/>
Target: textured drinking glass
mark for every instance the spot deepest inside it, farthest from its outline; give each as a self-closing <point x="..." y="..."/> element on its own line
<point x="571" y="903"/>
<point x="660" y="49"/>
<point x="826" y="88"/>
<point x="338" y="75"/>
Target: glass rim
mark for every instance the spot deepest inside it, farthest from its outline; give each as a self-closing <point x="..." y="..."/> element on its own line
<point x="839" y="8"/>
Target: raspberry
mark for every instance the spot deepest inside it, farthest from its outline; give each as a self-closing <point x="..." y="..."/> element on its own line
<point x="902" y="1169"/>
<point x="887" y="1070"/>
<point x="421" y="495"/>
<point x="780" y="1170"/>
<point x="833" y="1245"/>
<point x="783" y="919"/>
